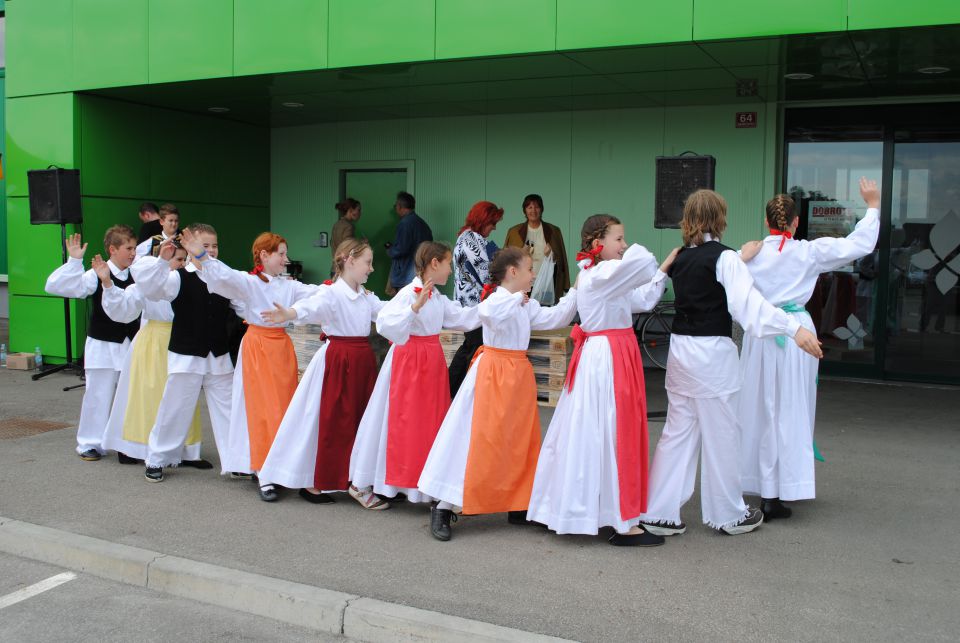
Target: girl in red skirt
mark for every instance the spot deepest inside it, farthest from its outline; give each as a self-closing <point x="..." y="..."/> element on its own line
<point x="312" y="448"/>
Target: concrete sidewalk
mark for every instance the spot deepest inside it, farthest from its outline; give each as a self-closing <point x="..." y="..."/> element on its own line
<point x="875" y="556"/>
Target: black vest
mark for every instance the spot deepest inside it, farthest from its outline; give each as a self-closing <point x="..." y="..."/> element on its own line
<point x="701" y="301"/>
<point x="199" y="319"/>
<point x="101" y="326"/>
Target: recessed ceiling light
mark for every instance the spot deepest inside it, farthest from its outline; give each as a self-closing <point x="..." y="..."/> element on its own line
<point x="936" y="69"/>
<point x="292" y="104"/>
<point x="218" y="110"/>
<point x="798" y="76"/>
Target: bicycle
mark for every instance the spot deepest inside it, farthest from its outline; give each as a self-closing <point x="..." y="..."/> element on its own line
<point x="653" y="333"/>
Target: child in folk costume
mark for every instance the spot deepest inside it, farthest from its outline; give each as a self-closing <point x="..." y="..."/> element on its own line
<point x="592" y="470"/>
<point x="485" y="455"/>
<point x="778" y="401"/>
<point x="198" y="352"/>
<point x="266" y="374"/>
<point x="412" y="393"/>
<point x="713" y="287"/>
<point x="107" y="341"/>
<point x="312" y="449"/>
<point x="144" y="373"/>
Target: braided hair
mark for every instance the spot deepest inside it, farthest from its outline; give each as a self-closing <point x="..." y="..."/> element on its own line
<point x="781" y="211"/>
<point x="595" y="227"/>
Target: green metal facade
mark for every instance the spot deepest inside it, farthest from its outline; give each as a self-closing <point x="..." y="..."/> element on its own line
<point x="244" y="177"/>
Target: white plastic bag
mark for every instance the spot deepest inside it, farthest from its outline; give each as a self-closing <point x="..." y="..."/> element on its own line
<point x="543" y="284"/>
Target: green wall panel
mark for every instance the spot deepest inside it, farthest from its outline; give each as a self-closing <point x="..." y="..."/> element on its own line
<point x="878" y="14"/>
<point x="39" y="321"/>
<point x="39" y="47"/>
<point x="283" y="35"/>
<point x="611" y="23"/>
<point x="3" y="181"/>
<point x="470" y="28"/>
<point x="190" y="39"/>
<point x="40" y="131"/>
<point x="376" y="32"/>
<point x="748" y="18"/>
<point x="109" y="43"/>
<point x="115" y="154"/>
<point x="34" y="250"/>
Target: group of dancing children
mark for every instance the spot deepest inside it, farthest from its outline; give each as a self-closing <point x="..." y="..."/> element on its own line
<point x="382" y="437"/>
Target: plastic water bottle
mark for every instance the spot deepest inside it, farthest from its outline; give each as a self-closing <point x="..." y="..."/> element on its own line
<point x="38" y="358"/>
<point x="3" y="355"/>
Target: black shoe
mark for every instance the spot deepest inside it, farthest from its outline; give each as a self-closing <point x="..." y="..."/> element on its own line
<point x="125" y="459"/>
<point x="154" y="474"/>
<point x="440" y="523"/>
<point x="400" y="497"/>
<point x="268" y="493"/>
<point x="772" y="509"/>
<point x="645" y="539"/>
<point x="753" y="520"/>
<point x="662" y="528"/>
<point x="236" y="475"/>
<point x="317" y="498"/>
<point x="520" y="518"/>
<point x="196" y="464"/>
<point x="90" y="455"/>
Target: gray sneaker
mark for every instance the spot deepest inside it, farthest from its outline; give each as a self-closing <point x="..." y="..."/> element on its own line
<point x="662" y="528"/>
<point x="752" y="520"/>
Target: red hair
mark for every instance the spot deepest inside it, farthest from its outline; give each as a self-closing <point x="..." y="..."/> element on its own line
<point x="481" y="215"/>
<point x="266" y="241"/>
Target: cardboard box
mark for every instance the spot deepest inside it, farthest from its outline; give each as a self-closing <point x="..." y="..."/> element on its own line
<point x="21" y="361"/>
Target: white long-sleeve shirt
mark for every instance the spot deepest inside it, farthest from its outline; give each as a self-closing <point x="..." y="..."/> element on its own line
<point x="340" y="310"/>
<point x="609" y="293"/>
<point x="507" y="321"/>
<point x="397" y="321"/>
<point x="123" y="305"/>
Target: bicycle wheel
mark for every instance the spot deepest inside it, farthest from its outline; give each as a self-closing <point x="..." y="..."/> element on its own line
<point x="655" y="334"/>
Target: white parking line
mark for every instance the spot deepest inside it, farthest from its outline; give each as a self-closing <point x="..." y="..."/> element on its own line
<point x="36" y="588"/>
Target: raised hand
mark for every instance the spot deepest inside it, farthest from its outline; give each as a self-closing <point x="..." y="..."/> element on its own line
<point x="750" y="249"/>
<point x="808" y="342"/>
<point x="74" y="249"/>
<point x="870" y="192"/>
<point x="167" y="250"/>
<point x="191" y="244"/>
<point x="279" y="314"/>
<point x="423" y="296"/>
<point x="102" y="269"/>
<point x="526" y="298"/>
<point x="665" y="266"/>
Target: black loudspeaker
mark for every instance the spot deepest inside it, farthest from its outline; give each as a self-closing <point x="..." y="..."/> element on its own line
<point x="677" y="178"/>
<point x="54" y="196"/>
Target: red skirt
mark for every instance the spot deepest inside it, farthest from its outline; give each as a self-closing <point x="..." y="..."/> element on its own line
<point x="419" y="399"/>
<point x="348" y="378"/>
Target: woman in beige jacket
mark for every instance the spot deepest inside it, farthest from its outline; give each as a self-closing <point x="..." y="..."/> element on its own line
<point x="541" y="239"/>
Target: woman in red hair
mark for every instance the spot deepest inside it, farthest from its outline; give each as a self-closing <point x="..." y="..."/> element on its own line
<point x="266" y="372"/>
<point x="471" y="261"/>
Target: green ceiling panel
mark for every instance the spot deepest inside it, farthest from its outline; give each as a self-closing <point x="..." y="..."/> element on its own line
<point x="470" y="28"/>
<point x="283" y="35"/>
<point x="375" y="32"/>
<point x="877" y="14"/>
<point x="110" y="41"/>
<point x="190" y="39"/>
<point x="749" y="18"/>
<point x="39" y="47"/>
<point x="611" y="23"/>
<point x="40" y="132"/>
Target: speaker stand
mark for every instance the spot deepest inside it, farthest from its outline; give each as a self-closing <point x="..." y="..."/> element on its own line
<point x="70" y="366"/>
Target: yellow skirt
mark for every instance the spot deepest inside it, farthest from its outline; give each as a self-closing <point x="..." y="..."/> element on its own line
<point x="148" y="377"/>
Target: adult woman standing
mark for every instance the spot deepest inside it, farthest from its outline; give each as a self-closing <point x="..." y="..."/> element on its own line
<point x="541" y="239"/>
<point x="345" y="227"/>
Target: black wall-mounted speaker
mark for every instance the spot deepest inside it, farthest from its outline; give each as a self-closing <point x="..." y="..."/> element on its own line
<point x="677" y="178"/>
<point x="54" y="196"/>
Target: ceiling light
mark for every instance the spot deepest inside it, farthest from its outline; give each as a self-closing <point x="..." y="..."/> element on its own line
<point x="218" y="110"/>
<point x="936" y="69"/>
<point x="798" y="76"/>
<point x="292" y="104"/>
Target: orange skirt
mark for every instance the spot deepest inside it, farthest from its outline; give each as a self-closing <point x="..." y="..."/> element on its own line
<point x="504" y="434"/>
<point x="269" y="381"/>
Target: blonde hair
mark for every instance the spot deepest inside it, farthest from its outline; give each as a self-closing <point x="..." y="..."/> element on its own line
<point x="427" y="252"/>
<point x="116" y="236"/>
<point x="705" y="212"/>
<point x="349" y="247"/>
<point x="781" y="211"/>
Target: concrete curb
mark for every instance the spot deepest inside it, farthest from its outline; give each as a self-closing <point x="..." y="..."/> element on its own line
<point x="354" y="617"/>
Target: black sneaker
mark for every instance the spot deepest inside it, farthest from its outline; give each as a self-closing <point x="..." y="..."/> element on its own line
<point x="440" y="523"/>
<point x="520" y="518"/>
<point x="644" y="539"/>
<point x="196" y="464"/>
<point x="268" y="493"/>
<point x="90" y="455"/>
<point x="663" y="528"/>
<point x="753" y="520"/>
<point x="317" y="498"/>
<point x="237" y="475"/>
<point x="772" y="509"/>
<point x="125" y="459"/>
<point x="154" y="474"/>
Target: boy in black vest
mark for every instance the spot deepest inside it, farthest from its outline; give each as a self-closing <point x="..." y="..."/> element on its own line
<point x="199" y="351"/>
<point x="713" y="287"/>
<point x="107" y="341"/>
<point x="169" y="228"/>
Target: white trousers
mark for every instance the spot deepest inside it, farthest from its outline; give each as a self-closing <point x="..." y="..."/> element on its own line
<point x="697" y="426"/>
<point x="179" y="400"/>
<point x="101" y="384"/>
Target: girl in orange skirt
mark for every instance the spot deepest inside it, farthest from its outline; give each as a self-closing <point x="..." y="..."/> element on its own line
<point x="266" y="374"/>
<point x="485" y="455"/>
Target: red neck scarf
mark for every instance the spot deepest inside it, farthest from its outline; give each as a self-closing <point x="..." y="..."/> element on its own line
<point x="418" y="290"/>
<point x="783" y="234"/>
<point x="487" y="291"/>
<point x="591" y="255"/>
